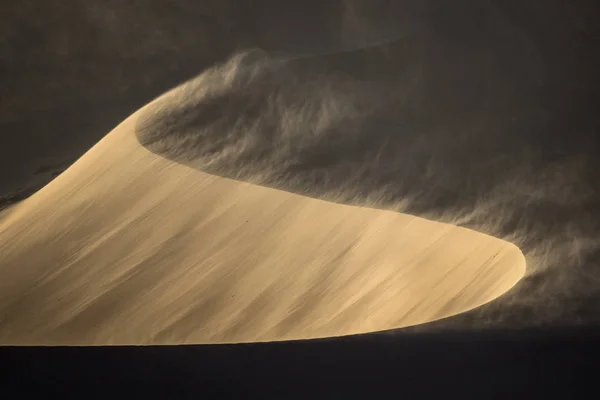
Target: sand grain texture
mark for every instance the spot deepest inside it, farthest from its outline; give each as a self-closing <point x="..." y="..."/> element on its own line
<point x="126" y="247"/>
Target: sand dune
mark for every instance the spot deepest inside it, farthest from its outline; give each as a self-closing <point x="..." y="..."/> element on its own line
<point x="126" y="247"/>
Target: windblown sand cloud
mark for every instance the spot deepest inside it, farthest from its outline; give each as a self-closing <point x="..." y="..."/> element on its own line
<point x="392" y="127"/>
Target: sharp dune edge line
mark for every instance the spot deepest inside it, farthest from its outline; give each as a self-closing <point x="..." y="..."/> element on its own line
<point x="126" y="247"/>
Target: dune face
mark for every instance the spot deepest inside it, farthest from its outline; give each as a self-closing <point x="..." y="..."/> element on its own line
<point x="127" y="247"/>
<point x="451" y="130"/>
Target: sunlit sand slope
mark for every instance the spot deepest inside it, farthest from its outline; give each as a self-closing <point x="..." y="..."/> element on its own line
<point x="126" y="247"/>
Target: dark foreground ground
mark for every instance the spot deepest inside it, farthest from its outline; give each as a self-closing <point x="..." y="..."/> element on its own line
<point x="557" y="363"/>
<point x="481" y="76"/>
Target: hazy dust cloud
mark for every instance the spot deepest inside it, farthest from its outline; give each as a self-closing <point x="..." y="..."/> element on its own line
<point x="386" y="128"/>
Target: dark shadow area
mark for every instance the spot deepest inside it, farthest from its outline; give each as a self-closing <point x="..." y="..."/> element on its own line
<point x="491" y="365"/>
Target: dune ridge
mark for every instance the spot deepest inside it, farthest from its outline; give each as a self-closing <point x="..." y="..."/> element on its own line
<point x="127" y="247"/>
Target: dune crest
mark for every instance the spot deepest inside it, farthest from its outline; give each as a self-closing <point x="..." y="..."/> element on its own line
<point x="127" y="247"/>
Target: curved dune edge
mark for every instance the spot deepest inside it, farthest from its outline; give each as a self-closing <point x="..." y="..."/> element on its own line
<point x="126" y="247"/>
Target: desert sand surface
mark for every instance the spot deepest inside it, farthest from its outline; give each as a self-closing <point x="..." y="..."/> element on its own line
<point x="127" y="247"/>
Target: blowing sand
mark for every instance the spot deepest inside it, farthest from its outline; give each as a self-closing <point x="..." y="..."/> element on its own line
<point x="126" y="247"/>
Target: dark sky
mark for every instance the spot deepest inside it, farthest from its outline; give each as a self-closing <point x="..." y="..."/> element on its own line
<point x="72" y="70"/>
